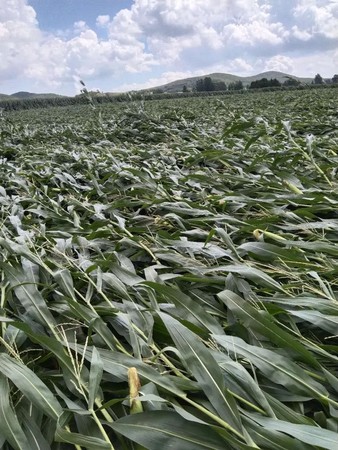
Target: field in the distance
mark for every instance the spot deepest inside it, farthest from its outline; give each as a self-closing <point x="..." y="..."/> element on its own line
<point x="169" y="274"/>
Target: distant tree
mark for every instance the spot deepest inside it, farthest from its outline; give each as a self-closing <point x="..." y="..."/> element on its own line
<point x="236" y="86"/>
<point x="259" y="83"/>
<point x="200" y="85"/>
<point x="185" y="89"/>
<point x="264" y="82"/>
<point x="205" y="84"/>
<point x="220" y="86"/>
<point x="291" y="82"/>
<point x="208" y="84"/>
<point x="318" y="79"/>
<point x="275" y="83"/>
<point x="335" y="79"/>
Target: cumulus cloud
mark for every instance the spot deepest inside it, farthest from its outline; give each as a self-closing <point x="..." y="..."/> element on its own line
<point x="302" y="35"/>
<point x="102" y="21"/>
<point x="80" y="26"/>
<point x="170" y="27"/>
<point x="19" y="36"/>
<point x="318" y="17"/>
<point x="255" y="33"/>
<point x="280" y="63"/>
<point x="239" y="65"/>
<point x="51" y="60"/>
<point x="170" y="36"/>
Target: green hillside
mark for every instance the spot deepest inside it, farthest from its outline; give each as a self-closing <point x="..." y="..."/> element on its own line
<point x="4" y="97"/>
<point x="177" y="86"/>
<point x="24" y="95"/>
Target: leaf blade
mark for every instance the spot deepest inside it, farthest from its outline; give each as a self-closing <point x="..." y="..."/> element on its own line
<point x="167" y="429"/>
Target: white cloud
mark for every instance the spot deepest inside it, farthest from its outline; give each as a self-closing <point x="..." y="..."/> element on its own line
<point x="17" y="11"/>
<point x="51" y="60"/>
<point x="165" y="78"/>
<point x="102" y="21"/>
<point x="239" y="65"/>
<point x="172" y="26"/>
<point x="280" y="63"/>
<point x="302" y="35"/>
<point x="255" y="33"/>
<point x="19" y="36"/>
<point x="318" y="17"/>
<point x="324" y="63"/>
<point x="80" y="26"/>
<point x="181" y="37"/>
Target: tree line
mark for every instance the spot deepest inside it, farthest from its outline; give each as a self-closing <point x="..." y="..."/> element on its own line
<point x="207" y="84"/>
<point x="213" y="88"/>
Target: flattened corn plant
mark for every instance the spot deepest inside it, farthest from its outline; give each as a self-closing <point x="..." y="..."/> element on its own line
<point x="169" y="275"/>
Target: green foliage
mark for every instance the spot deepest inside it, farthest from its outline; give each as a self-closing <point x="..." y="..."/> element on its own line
<point x="264" y="83"/>
<point x="190" y="242"/>
<point x="207" y="84"/>
<point x="291" y="82"/>
<point x="318" y="79"/>
<point x="236" y="86"/>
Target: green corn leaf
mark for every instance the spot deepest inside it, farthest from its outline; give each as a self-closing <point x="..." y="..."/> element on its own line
<point x="65" y="281"/>
<point x="31" y="270"/>
<point x="274" y="440"/>
<point x="10" y="428"/>
<point x="278" y="368"/>
<point x="164" y="429"/>
<point x="28" y="295"/>
<point x="94" y="321"/>
<point x="249" y="273"/>
<point x="316" y="318"/>
<point x="240" y="382"/>
<point x="315" y="246"/>
<point x="315" y="436"/>
<point x="19" y="249"/>
<point x="200" y="362"/>
<point x="262" y="322"/>
<point x="30" y="385"/>
<point x="34" y="435"/>
<point x="117" y="364"/>
<point x="48" y="343"/>
<point x="95" y="376"/>
<point x="89" y="442"/>
<point x="270" y="252"/>
<point x="188" y="308"/>
<point x="283" y="412"/>
<point x="116" y="284"/>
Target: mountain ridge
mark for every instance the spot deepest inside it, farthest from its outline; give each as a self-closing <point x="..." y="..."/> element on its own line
<point x="22" y="95"/>
<point x="177" y="85"/>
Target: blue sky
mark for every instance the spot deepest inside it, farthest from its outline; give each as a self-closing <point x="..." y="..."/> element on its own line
<point x="56" y="15"/>
<point x="121" y="45"/>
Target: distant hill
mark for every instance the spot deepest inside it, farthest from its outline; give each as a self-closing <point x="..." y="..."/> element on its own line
<point x="22" y="95"/>
<point x="177" y="86"/>
<point x="4" y="97"/>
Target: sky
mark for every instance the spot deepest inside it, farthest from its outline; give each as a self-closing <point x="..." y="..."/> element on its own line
<point x="122" y="45"/>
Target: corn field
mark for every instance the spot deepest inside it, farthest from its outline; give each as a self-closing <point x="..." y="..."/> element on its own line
<point x="169" y="274"/>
